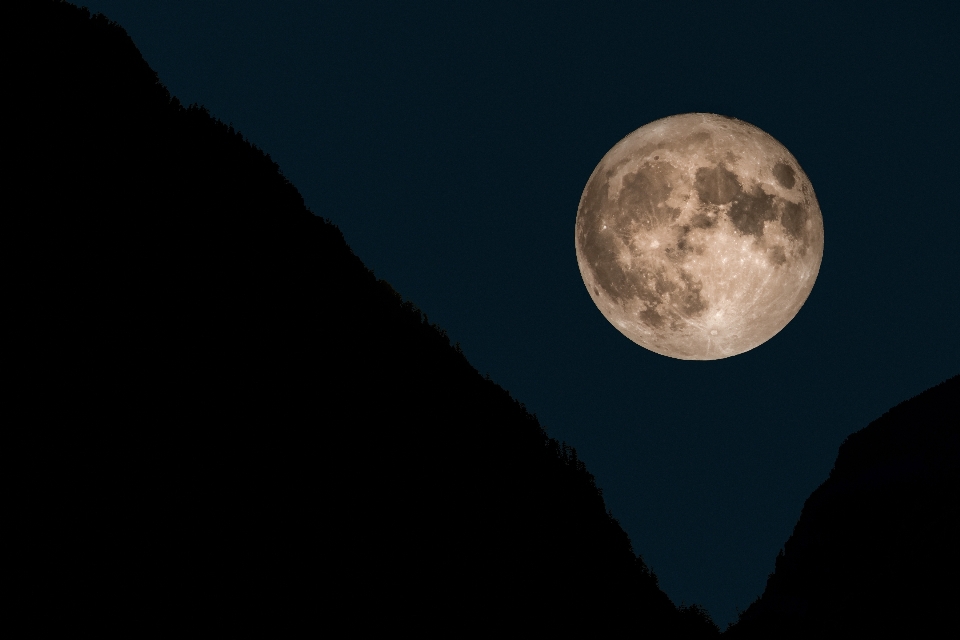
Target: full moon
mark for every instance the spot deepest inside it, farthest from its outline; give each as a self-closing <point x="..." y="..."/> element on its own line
<point x="699" y="236"/>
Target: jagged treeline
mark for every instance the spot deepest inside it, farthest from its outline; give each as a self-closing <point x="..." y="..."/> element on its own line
<point x="270" y="437"/>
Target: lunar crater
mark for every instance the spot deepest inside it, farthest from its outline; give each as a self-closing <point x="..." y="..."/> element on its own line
<point x="703" y="249"/>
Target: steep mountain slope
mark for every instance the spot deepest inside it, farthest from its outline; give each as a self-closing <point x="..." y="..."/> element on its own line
<point x="874" y="552"/>
<point x="252" y="432"/>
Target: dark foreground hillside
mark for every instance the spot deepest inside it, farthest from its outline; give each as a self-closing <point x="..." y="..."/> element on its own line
<point x="875" y="551"/>
<point x="251" y="432"/>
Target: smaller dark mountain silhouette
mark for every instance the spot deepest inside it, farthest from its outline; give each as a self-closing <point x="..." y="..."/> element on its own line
<point x="874" y="553"/>
<point x="250" y="432"/>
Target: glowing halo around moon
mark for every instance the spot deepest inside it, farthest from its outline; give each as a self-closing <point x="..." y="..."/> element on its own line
<point x="699" y="236"/>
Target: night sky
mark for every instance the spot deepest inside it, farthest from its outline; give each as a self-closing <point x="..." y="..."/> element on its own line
<point x="451" y="145"/>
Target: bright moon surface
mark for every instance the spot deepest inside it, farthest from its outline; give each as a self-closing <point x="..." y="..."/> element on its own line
<point x="699" y="236"/>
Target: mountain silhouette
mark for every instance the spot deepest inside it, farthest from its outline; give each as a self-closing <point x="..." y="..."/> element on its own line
<point x="247" y="431"/>
<point x="874" y="553"/>
<point x="251" y="432"/>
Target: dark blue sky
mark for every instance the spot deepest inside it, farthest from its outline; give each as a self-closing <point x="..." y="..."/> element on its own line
<point x="451" y="145"/>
